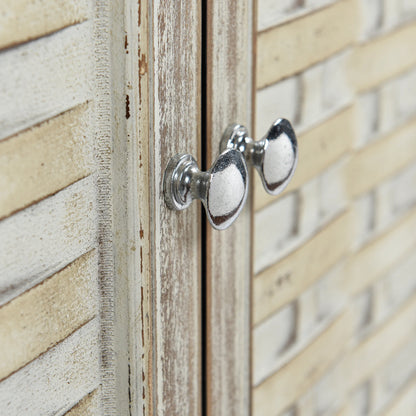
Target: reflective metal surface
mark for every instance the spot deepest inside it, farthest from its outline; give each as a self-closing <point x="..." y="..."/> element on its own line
<point x="275" y="156"/>
<point x="222" y="189"/>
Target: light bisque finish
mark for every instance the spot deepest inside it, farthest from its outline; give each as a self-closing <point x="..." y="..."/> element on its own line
<point x="43" y="238"/>
<point x="46" y="314"/>
<point x="271" y="13"/>
<point x="22" y="20"/>
<point x="333" y="138"/>
<point x="282" y="389"/>
<point x="229" y="100"/>
<point x="378" y="257"/>
<point x="382" y="159"/>
<point x="60" y="63"/>
<point x="294" y="46"/>
<point x="58" y="379"/>
<point x="44" y="159"/>
<point x="383" y="58"/>
<point x="405" y="404"/>
<point x="287" y="279"/>
<point x="373" y="352"/>
<point x="88" y="406"/>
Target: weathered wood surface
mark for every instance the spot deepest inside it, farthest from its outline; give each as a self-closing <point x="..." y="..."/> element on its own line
<point x="287" y="279"/>
<point x="58" y="379"/>
<point x="45" y="237"/>
<point x="60" y="77"/>
<point x="48" y="313"/>
<point x="90" y="405"/>
<point x="281" y="390"/>
<point x="45" y="159"/>
<point x="176" y="245"/>
<point x="22" y="20"/>
<point x="228" y="277"/>
<point x="314" y="37"/>
<point x="392" y="153"/>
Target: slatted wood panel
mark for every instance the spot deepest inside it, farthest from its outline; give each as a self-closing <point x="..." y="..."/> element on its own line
<point x="229" y="99"/>
<point x="335" y="251"/>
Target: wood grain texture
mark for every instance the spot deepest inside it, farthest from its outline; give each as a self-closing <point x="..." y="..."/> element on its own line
<point x="314" y="37"/>
<point x="48" y="313"/>
<point x="88" y="406"/>
<point x="381" y="159"/>
<point x="287" y="279"/>
<point x="22" y="20"/>
<point x="381" y="255"/>
<point x="44" y="159"/>
<point x="228" y="278"/>
<point x="45" y="237"/>
<point x="383" y="58"/>
<point x="271" y="13"/>
<point x="58" y="379"/>
<point x="176" y="245"/>
<point x="374" y="351"/>
<point x="60" y="77"/>
<point x="281" y="390"/>
<point x="319" y="148"/>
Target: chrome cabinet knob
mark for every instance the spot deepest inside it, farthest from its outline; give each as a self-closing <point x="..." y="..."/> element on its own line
<point x="222" y="189"/>
<point x="275" y="156"/>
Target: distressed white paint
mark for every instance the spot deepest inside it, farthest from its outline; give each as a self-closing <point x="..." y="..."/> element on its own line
<point x="57" y="380"/>
<point x="43" y="238"/>
<point x="45" y="77"/>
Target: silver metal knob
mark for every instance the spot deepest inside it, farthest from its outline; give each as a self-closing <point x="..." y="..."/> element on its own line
<point x="222" y="189"/>
<point x="275" y="156"/>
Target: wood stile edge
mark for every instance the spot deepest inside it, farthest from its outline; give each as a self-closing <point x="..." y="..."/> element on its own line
<point x="64" y="374"/>
<point x="175" y="236"/>
<point x="24" y="20"/>
<point x="28" y="174"/>
<point x="46" y="314"/>
<point x="29" y="97"/>
<point x="229" y="66"/>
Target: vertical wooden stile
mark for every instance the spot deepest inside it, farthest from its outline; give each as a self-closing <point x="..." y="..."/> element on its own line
<point x="229" y="100"/>
<point x="174" y="79"/>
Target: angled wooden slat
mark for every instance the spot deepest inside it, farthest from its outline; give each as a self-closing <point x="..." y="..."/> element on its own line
<point x="283" y="388"/>
<point x="56" y="380"/>
<point x="272" y="13"/>
<point x="45" y="237"/>
<point x="314" y="37"/>
<point x="378" y="257"/>
<point x="88" y="406"/>
<point x="287" y="279"/>
<point x="47" y="313"/>
<point x="228" y="276"/>
<point x="374" y="351"/>
<point x="382" y="159"/>
<point x="176" y="237"/>
<point x="44" y="159"/>
<point x="405" y="403"/>
<point x="333" y="138"/>
<point x="45" y="77"/>
<point x="383" y="58"/>
<point x="22" y="20"/>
